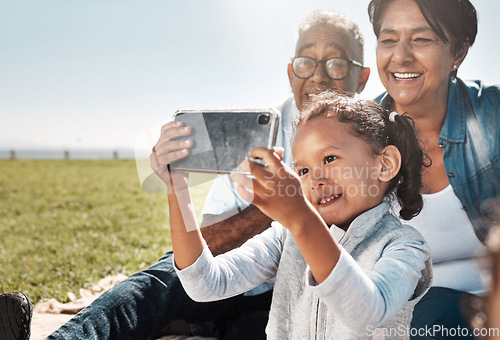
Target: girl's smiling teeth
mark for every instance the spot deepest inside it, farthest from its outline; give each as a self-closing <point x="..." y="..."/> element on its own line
<point x="329" y="199"/>
<point x="406" y="76"/>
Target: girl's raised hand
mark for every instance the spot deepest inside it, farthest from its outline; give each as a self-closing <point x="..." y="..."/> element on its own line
<point x="167" y="151"/>
<point x="274" y="189"/>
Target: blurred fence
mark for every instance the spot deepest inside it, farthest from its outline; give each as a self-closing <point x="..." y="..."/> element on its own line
<point x="65" y="154"/>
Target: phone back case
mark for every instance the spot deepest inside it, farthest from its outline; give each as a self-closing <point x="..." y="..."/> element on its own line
<point x="223" y="138"/>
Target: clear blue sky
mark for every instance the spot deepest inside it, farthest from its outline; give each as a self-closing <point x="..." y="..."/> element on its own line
<point x="95" y="74"/>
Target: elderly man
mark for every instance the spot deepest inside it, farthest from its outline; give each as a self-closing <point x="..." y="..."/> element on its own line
<point x="329" y="55"/>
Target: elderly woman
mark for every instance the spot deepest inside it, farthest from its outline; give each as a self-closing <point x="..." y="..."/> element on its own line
<point x="421" y="45"/>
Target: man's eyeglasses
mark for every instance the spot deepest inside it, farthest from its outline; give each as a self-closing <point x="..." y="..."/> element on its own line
<point x="336" y="68"/>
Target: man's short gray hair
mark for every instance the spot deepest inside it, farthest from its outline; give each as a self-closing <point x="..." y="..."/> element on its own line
<point x="338" y="22"/>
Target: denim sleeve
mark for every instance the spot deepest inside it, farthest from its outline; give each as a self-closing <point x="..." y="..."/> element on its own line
<point x="235" y="272"/>
<point x="364" y="298"/>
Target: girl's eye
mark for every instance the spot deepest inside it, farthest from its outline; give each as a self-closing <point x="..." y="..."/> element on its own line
<point x="329" y="159"/>
<point x="303" y="171"/>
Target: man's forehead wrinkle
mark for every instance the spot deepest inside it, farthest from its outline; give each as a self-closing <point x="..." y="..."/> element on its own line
<point x="342" y="41"/>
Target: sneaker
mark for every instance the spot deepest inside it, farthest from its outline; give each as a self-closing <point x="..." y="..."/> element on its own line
<point x="15" y="316"/>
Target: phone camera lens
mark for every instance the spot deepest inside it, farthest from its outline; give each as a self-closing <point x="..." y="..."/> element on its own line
<point x="264" y="119"/>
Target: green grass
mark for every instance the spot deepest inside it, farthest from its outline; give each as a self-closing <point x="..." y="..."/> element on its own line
<point x="65" y="224"/>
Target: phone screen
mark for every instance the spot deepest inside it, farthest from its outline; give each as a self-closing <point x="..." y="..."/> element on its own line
<point x="223" y="138"/>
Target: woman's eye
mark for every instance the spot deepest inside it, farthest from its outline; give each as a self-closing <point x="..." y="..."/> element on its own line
<point x="388" y="42"/>
<point x="303" y="171"/>
<point x="329" y="159"/>
<point x="422" y="41"/>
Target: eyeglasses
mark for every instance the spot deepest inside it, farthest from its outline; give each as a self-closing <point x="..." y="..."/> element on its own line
<point x="336" y="68"/>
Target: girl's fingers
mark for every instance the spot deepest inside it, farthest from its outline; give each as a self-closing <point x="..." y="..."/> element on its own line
<point x="260" y="173"/>
<point x="280" y="152"/>
<point x="254" y="186"/>
<point x="271" y="159"/>
<point x="246" y="195"/>
<point x="172" y="130"/>
<point x="242" y="180"/>
<point x="170" y="146"/>
<point x="257" y="170"/>
<point x="167" y="150"/>
<point x="160" y="161"/>
<point x="244" y="186"/>
<point x="244" y="165"/>
<point x="170" y="125"/>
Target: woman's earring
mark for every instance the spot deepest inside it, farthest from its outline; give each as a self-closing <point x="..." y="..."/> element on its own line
<point x="455" y="67"/>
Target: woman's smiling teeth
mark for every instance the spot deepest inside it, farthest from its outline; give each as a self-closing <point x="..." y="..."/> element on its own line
<point x="406" y="76"/>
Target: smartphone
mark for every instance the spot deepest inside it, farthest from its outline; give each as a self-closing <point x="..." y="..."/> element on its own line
<point x="221" y="139"/>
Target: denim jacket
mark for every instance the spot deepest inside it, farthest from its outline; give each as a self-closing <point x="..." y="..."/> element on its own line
<point x="471" y="142"/>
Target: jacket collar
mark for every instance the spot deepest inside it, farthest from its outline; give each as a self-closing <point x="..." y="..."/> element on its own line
<point x="454" y="126"/>
<point x="366" y="221"/>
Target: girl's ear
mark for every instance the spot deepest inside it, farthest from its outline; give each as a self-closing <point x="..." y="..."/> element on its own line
<point x="390" y="163"/>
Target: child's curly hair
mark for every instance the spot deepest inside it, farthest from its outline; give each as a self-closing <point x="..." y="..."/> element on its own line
<point x="371" y="122"/>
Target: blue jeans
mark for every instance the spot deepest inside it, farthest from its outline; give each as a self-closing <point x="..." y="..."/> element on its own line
<point x="440" y="313"/>
<point x="143" y="304"/>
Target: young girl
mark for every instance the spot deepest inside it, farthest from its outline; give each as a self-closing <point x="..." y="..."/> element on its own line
<point x="345" y="267"/>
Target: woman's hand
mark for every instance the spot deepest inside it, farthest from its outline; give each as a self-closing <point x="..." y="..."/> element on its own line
<point x="167" y="151"/>
<point x="275" y="190"/>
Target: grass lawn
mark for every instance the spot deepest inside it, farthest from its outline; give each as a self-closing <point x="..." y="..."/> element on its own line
<point x="65" y="224"/>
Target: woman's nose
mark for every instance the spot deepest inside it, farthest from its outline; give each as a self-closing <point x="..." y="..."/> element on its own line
<point x="403" y="53"/>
